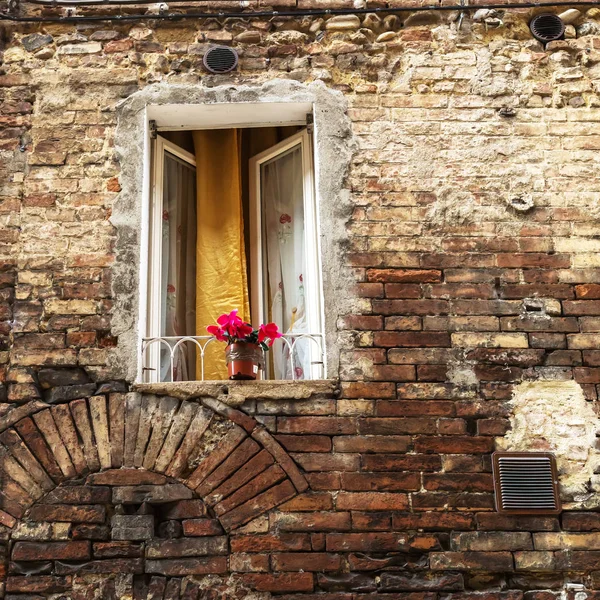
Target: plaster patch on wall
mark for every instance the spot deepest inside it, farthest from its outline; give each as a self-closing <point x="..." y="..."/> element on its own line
<point x="554" y="416"/>
<point x="452" y="207"/>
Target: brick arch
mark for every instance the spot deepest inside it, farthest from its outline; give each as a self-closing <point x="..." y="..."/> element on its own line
<point x="220" y="454"/>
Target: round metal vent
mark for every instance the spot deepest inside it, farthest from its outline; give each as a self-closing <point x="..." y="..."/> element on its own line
<point x="547" y="27"/>
<point x="220" y="59"/>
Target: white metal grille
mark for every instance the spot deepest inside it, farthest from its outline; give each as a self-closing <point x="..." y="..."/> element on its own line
<point x="170" y="348"/>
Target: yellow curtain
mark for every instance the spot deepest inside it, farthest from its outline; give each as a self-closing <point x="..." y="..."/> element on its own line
<point x="221" y="279"/>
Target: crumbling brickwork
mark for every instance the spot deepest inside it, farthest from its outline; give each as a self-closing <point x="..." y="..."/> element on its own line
<point x="472" y="245"/>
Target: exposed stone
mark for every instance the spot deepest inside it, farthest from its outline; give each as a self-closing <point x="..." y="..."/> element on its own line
<point x="343" y="23"/>
<point x="156" y="494"/>
<point x="69" y="392"/>
<point x="36" y="41"/>
<point x="50" y="378"/>
<point x="132" y="527"/>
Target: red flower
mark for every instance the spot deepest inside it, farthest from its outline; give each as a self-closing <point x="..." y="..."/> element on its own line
<point x="285" y="219"/>
<point x="233" y="325"/>
<point x="171" y="288"/>
<point x="269" y="331"/>
<point x="217" y="332"/>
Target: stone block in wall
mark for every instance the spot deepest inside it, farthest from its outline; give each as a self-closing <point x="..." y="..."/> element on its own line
<point x="155" y="494"/>
<point x="187" y="547"/>
<point x="132" y="527"/>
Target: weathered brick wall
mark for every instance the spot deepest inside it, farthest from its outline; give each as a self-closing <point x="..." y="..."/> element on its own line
<point x="473" y="244"/>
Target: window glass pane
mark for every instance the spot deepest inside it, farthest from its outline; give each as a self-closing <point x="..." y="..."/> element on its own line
<point x="178" y="276"/>
<point x="284" y="268"/>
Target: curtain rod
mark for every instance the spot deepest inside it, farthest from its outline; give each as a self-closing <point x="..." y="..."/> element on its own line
<point x="275" y="13"/>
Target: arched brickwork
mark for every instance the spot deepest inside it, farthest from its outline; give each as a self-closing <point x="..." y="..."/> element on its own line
<point x="143" y="486"/>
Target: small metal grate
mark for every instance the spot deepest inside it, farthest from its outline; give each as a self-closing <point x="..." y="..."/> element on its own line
<point x="547" y="27"/>
<point x="220" y="59"/>
<point x="526" y="483"/>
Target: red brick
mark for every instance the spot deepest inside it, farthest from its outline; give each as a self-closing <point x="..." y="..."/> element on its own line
<point x="31" y="551"/>
<point x="411" y="339"/>
<point x="371" y="501"/>
<point x="584" y="521"/>
<point x="498" y="522"/>
<point x="305" y="443"/>
<point x="559" y="291"/>
<point x="411" y="307"/>
<point x="581" y="307"/>
<point x="312" y="521"/>
<point x="201" y="527"/>
<point x="323" y="481"/>
<point x="588" y="290"/>
<point x="391" y="373"/>
<point x="472" y="561"/>
<point x="371" y="521"/>
<point x="398" y="462"/>
<point x="456" y="482"/>
<point x="306" y="561"/>
<point x="402" y="291"/>
<point x="462" y="290"/>
<point x="432" y="520"/>
<point x="309" y="501"/>
<point x="361" y="322"/>
<point x="455" y="445"/>
<point x="40" y="584"/>
<point x="492" y="426"/>
<point x="327" y="462"/>
<point x="364" y="443"/>
<point x="432" y="372"/>
<point x="318" y="425"/>
<point x="382" y="482"/>
<point x="279" y="582"/>
<point x="404" y="275"/>
<point x="258" y="505"/>
<point x="397" y="408"/>
<point x="178" y="567"/>
<point x="366" y="542"/>
<point x="68" y="513"/>
<point x="280" y="542"/>
<point x="534" y="259"/>
<point x="586" y="375"/>
<point x="394" y="426"/>
<point x="369" y="290"/>
<point x="249" y="563"/>
<point x="366" y="390"/>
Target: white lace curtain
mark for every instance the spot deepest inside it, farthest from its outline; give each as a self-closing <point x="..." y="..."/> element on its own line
<point x="178" y="295"/>
<point x="283" y="229"/>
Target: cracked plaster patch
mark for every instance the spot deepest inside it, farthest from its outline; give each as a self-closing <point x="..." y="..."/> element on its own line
<point x="554" y="416"/>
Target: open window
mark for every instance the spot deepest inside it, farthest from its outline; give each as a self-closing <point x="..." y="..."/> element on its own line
<point x="193" y="182"/>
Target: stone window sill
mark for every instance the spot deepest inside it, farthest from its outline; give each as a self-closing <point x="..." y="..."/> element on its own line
<point x="235" y="393"/>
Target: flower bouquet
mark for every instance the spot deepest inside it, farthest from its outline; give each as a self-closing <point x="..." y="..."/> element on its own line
<point x="245" y="345"/>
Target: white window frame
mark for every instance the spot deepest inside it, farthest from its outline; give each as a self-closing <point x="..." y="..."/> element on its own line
<point x="215" y="116"/>
<point x="160" y="146"/>
<point x="313" y="278"/>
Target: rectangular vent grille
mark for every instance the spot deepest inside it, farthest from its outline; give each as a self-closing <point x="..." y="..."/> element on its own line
<point x="526" y="483"/>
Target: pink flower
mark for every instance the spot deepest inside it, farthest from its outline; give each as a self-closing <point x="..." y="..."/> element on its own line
<point x="171" y="288"/>
<point x="233" y="325"/>
<point x="284" y="218"/>
<point x="269" y="331"/>
<point x="217" y="332"/>
<point x="165" y="215"/>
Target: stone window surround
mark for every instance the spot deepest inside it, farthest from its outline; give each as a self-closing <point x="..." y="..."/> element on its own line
<point x="334" y="146"/>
